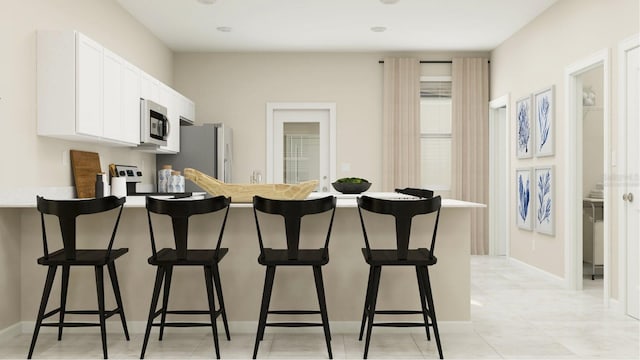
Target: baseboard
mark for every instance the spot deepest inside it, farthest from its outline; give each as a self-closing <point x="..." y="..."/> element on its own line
<point x="11" y="331"/>
<point x="616" y="305"/>
<point x="555" y="279"/>
<point x="238" y="327"/>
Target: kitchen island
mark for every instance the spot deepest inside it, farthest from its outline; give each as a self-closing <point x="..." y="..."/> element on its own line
<point x="242" y="277"/>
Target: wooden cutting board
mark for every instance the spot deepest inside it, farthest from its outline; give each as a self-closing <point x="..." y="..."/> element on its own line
<point x="85" y="166"/>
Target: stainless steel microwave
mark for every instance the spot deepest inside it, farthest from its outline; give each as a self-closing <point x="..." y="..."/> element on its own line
<point x="154" y="123"/>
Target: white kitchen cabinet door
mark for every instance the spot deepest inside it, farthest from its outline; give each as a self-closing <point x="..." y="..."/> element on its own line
<point x="113" y="123"/>
<point x="131" y="104"/>
<point x="89" y="55"/>
<point x="150" y="88"/>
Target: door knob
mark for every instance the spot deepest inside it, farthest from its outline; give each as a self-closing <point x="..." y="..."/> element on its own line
<point x="628" y="197"/>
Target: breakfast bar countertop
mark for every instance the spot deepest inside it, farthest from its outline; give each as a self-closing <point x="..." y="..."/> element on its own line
<point x="26" y="198"/>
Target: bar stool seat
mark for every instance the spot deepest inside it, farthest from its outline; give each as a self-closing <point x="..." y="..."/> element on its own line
<point x="195" y="257"/>
<point x="67" y="212"/>
<point x="415" y="257"/>
<point x="305" y="257"/>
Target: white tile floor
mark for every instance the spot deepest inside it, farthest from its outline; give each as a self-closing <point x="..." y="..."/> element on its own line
<point x="515" y="313"/>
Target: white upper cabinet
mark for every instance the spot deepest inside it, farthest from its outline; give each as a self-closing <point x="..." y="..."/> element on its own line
<point x="88" y="93"/>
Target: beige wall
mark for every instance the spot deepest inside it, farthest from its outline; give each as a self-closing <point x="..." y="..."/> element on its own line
<point x="536" y="57"/>
<point x="234" y="88"/>
<point x="29" y="160"/>
<point x="9" y="267"/>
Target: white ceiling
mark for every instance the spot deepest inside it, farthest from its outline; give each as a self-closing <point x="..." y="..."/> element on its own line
<point x="334" y="25"/>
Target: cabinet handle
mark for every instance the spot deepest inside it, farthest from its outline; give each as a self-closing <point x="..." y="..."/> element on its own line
<point x="627" y="197"/>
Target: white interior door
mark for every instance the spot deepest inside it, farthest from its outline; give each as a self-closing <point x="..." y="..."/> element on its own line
<point x="499" y="176"/>
<point x="301" y="143"/>
<point x="632" y="191"/>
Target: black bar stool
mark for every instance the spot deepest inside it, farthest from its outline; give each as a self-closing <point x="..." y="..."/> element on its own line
<point x="67" y="211"/>
<point x="292" y="212"/>
<point x="421" y="258"/>
<point x="180" y="210"/>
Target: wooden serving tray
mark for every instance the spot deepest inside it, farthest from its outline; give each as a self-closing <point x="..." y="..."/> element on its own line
<point x="85" y="166"/>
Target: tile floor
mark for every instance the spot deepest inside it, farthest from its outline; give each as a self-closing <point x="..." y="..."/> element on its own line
<point x="516" y="313"/>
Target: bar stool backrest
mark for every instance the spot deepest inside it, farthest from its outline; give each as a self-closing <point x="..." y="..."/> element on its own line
<point x="403" y="211"/>
<point x="67" y="211"/>
<point x="423" y="193"/>
<point x="180" y="210"/>
<point x="293" y="211"/>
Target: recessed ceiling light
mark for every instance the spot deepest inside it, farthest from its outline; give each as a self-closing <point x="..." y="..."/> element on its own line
<point x="378" y="28"/>
<point x="389" y="1"/>
<point x="224" y="28"/>
<point x="207" y="2"/>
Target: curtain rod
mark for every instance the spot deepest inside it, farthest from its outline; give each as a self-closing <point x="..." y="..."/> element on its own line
<point x="429" y="61"/>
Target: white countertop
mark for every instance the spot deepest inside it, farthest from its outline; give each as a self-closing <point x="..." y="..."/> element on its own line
<point x="26" y="198"/>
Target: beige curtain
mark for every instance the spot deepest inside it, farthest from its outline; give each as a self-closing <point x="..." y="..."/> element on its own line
<point x="470" y="142"/>
<point x="401" y="124"/>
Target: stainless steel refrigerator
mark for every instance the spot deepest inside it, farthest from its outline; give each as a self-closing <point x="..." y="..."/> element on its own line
<point x="207" y="148"/>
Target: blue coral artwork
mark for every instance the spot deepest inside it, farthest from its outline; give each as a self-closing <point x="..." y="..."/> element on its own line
<point x="543" y="119"/>
<point x="524" y="138"/>
<point x="544" y="202"/>
<point x="523" y="196"/>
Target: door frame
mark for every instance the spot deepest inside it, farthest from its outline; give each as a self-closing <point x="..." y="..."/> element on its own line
<point x="498" y="197"/>
<point x="573" y="171"/>
<point x="273" y="107"/>
<point x="623" y="47"/>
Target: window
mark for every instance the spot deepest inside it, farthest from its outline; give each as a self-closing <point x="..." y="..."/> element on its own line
<point x="435" y="132"/>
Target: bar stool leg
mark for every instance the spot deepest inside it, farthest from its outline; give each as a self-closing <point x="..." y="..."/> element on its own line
<point x="100" y="288"/>
<point x="432" y="310"/>
<point x="264" y="308"/>
<point x="317" y="272"/>
<point x="48" y="284"/>
<point x="425" y="310"/>
<point x="218" y="285"/>
<point x="377" y="272"/>
<point x="367" y="299"/>
<point x="116" y="292"/>
<point x="208" y="278"/>
<point x="152" y="308"/>
<point x="165" y="299"/>
<point x="63" y="298"/>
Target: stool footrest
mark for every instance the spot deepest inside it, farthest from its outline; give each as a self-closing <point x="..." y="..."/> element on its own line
<point x="293" y="312"/>
<point x="292" y="324"/>
<point x="50" y="313"/>
<point x="182" y="324"/>
<point x="398" y="312"/>
<point x="400" y="324"/>
<point x="70" y="324"/>
<point x="190" y="312"/>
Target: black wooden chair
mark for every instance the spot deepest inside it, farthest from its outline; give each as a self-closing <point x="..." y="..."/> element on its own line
<point x="292" y="212"/>
<point x="422" y="193"/>
<point x="167" y="258"/>
<point x="421" y="258"/>
<point x="67" y="211"/>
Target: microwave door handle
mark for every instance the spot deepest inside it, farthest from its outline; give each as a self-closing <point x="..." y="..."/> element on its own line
<point x="167" y="127"/>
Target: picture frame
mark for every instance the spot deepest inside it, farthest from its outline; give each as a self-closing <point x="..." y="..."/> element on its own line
<point x="524" y="198"/>
<point x="544" y="211"/>
<point x="524" y="133"/>
<point x="544" y="121"/>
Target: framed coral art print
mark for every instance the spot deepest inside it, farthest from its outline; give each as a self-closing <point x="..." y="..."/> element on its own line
<point x="544" y="122"/>
<point x="524" y="135"/>
<point x="544" y="211"/>
<point x="524" y="198"/>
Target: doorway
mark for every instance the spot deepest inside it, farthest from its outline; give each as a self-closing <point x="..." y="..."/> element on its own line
<point x="301" y="143"/>
<point x="591" y="116"/>
<point x="499" y="176"/>
<point x="574" y="149"/>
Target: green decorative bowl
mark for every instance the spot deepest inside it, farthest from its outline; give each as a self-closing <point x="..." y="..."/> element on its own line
<point x="347" y="186"/>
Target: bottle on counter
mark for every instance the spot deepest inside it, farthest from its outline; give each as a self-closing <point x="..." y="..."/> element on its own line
<point x="163" y="178"/>
<point x="100" y="183"/>
<point x="176" y="182"/>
